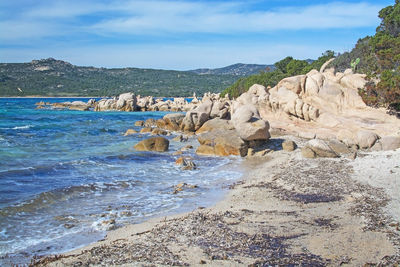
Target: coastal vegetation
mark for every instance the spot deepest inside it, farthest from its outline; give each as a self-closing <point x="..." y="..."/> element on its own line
<point x="379" y="58"/>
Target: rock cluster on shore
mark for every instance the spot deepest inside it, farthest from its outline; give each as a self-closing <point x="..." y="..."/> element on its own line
<point x="323" y="105"/>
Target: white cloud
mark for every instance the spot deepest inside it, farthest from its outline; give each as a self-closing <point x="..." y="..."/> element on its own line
<point x="157" y="17"/>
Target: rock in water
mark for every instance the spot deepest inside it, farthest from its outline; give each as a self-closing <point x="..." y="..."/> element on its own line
<point x="139" y="123"/>
<point x="130" y="132"/>
<point x="173" y="121"/>
<point x="159" y="144"/>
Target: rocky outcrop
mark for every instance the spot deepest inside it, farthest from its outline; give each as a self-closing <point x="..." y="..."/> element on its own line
<point x="322" y="104"/>
<point x="75" y="105"/>
<point x="159" y="144"/>
<point x="125" y="102"/>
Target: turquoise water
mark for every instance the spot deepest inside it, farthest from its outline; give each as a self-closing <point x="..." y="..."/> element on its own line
<point x="64" y="174"/>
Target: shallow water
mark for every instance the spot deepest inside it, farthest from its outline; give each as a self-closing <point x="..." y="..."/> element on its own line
<point x="64" y="174"/>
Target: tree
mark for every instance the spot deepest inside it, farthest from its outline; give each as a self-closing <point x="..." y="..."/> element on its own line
<point x="282" y="64"/>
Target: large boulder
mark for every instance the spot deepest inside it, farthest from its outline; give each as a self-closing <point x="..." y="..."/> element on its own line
<point x="221" y="143"/>
<point x="194" y="119"/>
<point x="173" y="121"/>
<point x="126" y="102"/>
<point x="289" y="145"/>
<point x="387" y="143"/>
<point x="249" y="125"/>
<point x="321" y="148"/>
<point x="215" y="124"/>
<point x="220" y="109"/>
<point x="106" y="105"/>
<point x="159" y="144"/>
<point x="366" y="139"/>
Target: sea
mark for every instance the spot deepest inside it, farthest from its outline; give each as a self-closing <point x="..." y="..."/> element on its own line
<point x="66" y="177"/>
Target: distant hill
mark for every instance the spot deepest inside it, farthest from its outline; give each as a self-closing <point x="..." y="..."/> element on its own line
<point x="238" y="69"/>
<point x="51" y="77"/>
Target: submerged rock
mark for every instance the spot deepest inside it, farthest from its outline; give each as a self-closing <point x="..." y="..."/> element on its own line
<point x="139" y="123"/>
<point x="130" y="132"/>
<point x="146" y="130"/>
<point x="186" y="163"/>
<point x="159" y="144"/>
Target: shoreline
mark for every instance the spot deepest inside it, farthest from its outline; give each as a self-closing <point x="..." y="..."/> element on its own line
<point x="51" y="97"/>
<point x="284" y="210"/>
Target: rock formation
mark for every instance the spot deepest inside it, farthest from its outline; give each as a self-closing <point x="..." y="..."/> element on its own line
<point x="321" y="104"/>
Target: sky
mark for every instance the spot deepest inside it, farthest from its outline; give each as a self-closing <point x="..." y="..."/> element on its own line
<point x="181" y="34"/>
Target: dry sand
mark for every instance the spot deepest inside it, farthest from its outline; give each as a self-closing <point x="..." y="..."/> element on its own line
<point x="286" y="210"/>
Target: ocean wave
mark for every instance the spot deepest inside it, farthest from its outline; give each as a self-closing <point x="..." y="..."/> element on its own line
<point x="18" y="127"/>
<point x="46" y="199"/>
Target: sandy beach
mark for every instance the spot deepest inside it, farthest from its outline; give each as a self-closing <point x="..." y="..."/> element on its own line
<point x="286" y="210"/>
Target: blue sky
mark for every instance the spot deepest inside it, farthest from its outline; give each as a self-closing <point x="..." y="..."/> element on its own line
<point x="181" y="34"/>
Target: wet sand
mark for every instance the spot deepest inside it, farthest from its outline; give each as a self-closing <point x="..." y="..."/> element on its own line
<point x="286" y="210"/>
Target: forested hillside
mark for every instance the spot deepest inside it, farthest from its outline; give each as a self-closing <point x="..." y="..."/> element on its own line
<point x="50" y="77"/>
<point x="238" y="69"/>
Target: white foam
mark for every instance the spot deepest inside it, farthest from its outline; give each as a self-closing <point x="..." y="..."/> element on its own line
<point x="18" y="127"/>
